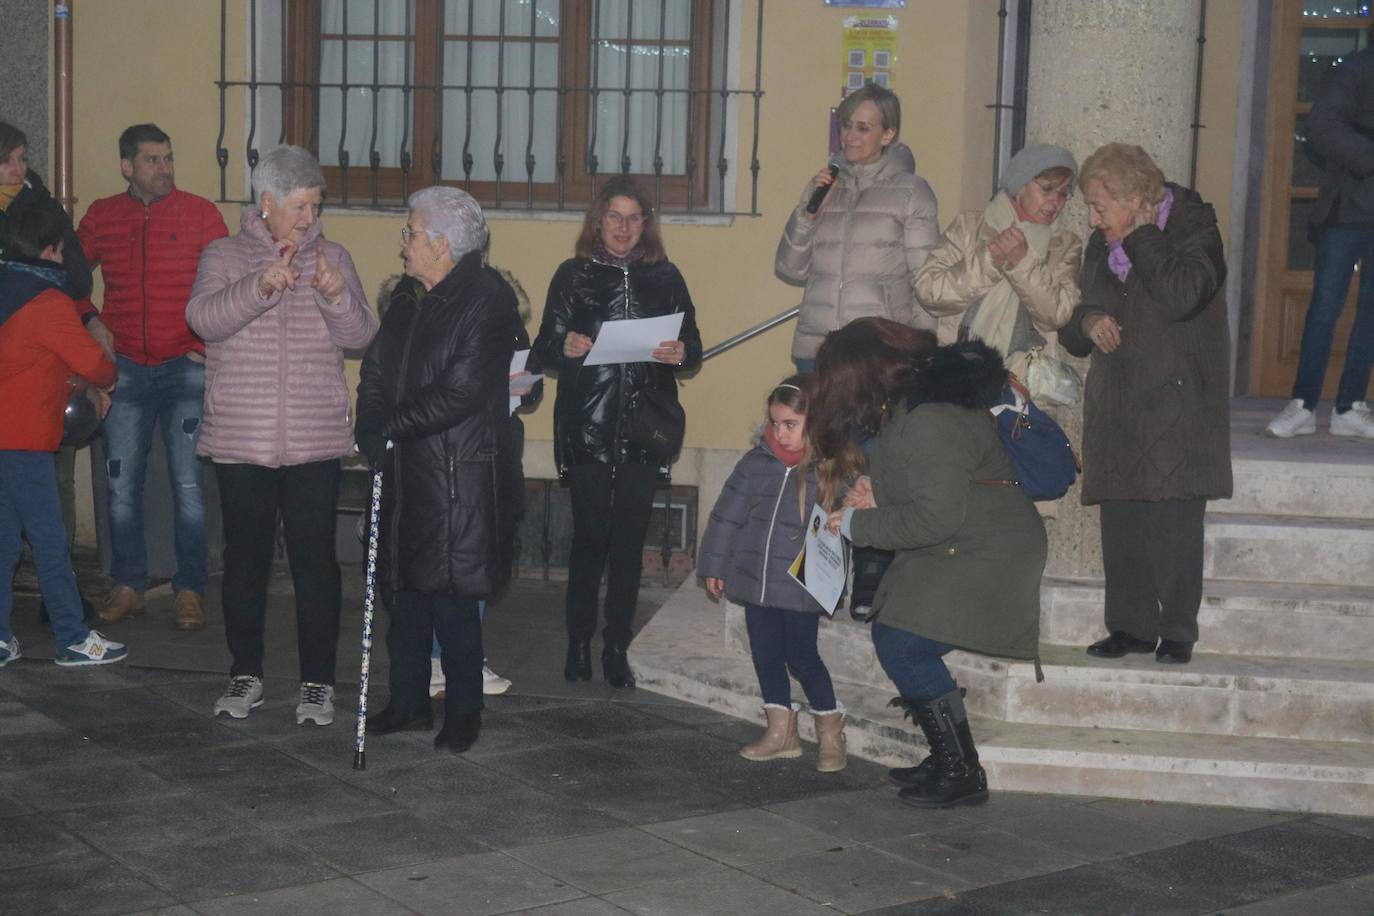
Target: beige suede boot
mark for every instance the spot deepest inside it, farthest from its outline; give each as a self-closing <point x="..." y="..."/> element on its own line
<point x="830" y="737"/>
<point x="780" y="740"/>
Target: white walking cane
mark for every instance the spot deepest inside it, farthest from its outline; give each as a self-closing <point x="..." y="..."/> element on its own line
<point x="369" y="603"/>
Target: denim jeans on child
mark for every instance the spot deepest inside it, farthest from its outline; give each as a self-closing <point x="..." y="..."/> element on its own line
<point x="29" y="504"/>
<point x="915" y="664"/>
<point x="170" y="393"/>
<point x="781" y="641"/>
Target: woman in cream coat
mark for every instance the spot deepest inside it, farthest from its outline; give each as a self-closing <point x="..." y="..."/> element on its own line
<point x="1007" y="274"/>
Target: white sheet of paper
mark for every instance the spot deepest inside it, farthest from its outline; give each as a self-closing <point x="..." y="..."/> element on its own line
<point x="824" y="562"/>
<point x="518" y="360"/>
<point x="632" y="340"/>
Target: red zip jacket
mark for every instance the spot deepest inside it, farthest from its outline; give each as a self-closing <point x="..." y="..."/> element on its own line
<point x="41" y="345"/>
<point x="148" y="256"/>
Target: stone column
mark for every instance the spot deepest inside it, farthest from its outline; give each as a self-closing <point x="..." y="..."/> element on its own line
<point x="1102" y="71"/>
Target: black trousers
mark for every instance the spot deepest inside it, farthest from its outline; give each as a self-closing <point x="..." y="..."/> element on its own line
<point x="611" y="508"/>
<point x="416" y="619"/>
<point x="1152" y="556"/>
<point x="306" y="495"/>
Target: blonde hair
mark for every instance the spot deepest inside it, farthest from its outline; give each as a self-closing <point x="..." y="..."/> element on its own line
<point x="1125" y="171"/>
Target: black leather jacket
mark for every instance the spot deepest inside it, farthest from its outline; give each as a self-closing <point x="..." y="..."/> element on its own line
<point x="34" y="193"/>
<point x="435" y="382"/>
<point x="588" y="417"/>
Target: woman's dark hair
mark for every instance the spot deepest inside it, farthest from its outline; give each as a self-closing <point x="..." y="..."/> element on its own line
<point x="858" y="369"/>
<point x="650" y="242"/>
<point x="11" y="138"/>
<point x="32" y="229"/>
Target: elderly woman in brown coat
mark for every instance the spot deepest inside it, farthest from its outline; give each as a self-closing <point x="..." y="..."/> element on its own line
<point x="858" y="254"/>
<point x="1156" y="428"/>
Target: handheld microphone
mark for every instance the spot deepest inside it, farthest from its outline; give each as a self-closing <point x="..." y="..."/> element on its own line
<point x="818" y="195"/>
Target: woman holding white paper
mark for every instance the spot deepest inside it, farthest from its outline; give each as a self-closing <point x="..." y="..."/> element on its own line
<point x="620" y="271"/>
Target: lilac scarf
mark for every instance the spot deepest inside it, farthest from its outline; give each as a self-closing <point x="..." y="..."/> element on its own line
<point x="603" y="254"/>
<point x="1117" y="259"/>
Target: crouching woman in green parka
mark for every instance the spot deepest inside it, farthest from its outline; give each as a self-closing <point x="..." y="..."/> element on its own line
<point x="970" y="551"/>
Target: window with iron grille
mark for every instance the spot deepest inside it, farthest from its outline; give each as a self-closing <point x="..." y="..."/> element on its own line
<point x="527" y="104"/>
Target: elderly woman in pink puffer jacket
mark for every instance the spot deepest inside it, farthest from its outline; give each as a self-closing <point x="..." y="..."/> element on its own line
<point x="277" y="306"/>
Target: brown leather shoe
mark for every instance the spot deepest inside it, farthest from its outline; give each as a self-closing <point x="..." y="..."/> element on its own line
<point x="122" y="602"/>
<point x="189" y="613"/>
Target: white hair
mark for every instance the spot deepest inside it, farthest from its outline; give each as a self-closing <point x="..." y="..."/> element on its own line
<point x="454" y="215"/>
<point x="284" y="169"/>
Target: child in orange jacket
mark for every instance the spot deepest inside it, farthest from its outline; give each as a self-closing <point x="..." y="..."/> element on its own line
<point x="42" y="343"/>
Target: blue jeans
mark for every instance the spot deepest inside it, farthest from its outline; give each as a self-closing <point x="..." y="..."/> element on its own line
<point x="170" y="393"/>
<point x="804" y="365"/>
<point x="1338" y="248"/>
<point x="29" y="504"/>
<point x="915" y="664"/>
<point x="780" y="641"/>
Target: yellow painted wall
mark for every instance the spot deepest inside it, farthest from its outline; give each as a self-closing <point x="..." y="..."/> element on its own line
<point x="147" y="60"/>
<point x="137" y="60"/>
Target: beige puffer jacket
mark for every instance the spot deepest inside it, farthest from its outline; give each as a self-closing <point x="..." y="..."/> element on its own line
<point x="959" y="272"/>
<point x="859" y="255"/>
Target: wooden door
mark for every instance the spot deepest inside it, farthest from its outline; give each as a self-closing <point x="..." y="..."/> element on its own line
<point x="1309" y="38"/>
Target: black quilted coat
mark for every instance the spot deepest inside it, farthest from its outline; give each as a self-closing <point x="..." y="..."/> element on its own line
<point x="435" y="382"/>
<point x="1156" y="412"/>
<point x="589" y="416"/>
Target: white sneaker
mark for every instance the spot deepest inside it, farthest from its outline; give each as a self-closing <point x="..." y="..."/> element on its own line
<point x="1357" y="421"/>
<point x="1294" y="420"/>
<point x="436" y="679"/>
<point x="9" y="651"/>
<point x="493" y="684"/>
<point x="316" y="705"/>
<point x="243" y="693"/>
<point x="93" y="650"/>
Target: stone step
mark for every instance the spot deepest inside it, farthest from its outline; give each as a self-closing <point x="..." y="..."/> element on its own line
<point x="1240" y="696"/>
<point x="1291" y="549"/>
<point x="686" y="652"/>
<point x="1339" y="488"/>
<point x="1236" y="617"/>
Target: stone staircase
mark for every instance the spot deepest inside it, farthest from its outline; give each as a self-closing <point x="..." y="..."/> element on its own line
<point x="1275" y="711"/>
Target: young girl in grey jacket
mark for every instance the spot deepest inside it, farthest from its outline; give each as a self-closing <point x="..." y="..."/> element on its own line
<point x="755" y="533"/>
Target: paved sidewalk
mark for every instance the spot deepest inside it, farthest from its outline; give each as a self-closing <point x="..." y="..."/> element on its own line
<point x="119" y="794"/>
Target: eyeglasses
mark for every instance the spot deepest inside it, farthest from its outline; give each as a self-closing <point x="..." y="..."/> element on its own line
<point x="616" y="218"/>
<point x="407" y="234"/>
<point x="1065" y="191"/>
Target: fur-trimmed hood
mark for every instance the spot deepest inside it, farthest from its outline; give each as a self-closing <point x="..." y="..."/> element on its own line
<point x="967" y="374"/>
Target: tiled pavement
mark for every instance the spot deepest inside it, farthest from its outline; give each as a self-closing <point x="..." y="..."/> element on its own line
<point x="119" y="794"/>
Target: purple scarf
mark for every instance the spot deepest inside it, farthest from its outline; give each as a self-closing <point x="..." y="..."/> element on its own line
<point x="603" y="254"/>
<point x="1117" y="259"/>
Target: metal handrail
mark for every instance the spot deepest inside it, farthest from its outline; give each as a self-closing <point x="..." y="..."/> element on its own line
<point x="749" y="333"/>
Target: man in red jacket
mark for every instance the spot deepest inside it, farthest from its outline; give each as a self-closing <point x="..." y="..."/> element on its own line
<point x="147" y="243"/>
<point x="41" y="346"/>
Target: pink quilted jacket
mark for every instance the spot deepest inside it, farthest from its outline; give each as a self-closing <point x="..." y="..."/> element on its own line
<point x="275" y="392"/>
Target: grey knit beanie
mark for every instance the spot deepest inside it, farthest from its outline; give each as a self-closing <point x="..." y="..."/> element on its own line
<point x="1031" y="161"/>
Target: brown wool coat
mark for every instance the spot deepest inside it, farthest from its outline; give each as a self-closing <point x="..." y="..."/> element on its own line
<point x="1156" y="412"/>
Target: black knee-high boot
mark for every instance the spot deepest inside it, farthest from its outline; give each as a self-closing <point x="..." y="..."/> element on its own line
<point x="919" y="774"/>
<point x="952" y="774"/>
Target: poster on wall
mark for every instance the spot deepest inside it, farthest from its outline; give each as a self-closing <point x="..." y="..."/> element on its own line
<point x="870" y="51"/>
<point x="869" y="4"/>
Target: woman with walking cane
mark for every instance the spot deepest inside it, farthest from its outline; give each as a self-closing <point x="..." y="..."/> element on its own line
<point x="435" y="384"/>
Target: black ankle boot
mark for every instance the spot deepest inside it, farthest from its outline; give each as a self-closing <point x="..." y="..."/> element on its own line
<point x="615" y="666"/>
<point x="921" y="772"/>
<point x="459" y="732"/>
<point x="392" y="719"/>
<point x="954" y="777"/>
<point x="578" y="667"/>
